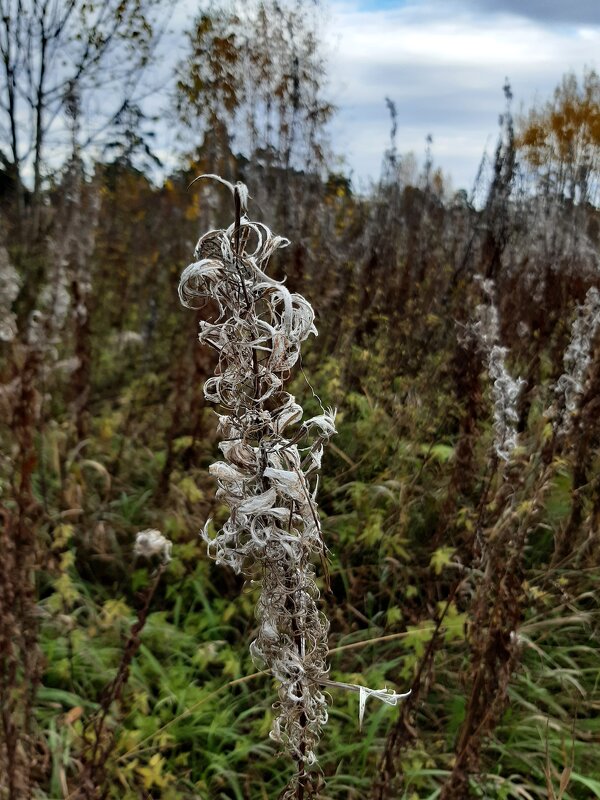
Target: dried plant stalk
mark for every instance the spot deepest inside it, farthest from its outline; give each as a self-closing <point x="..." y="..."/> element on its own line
<point x="267" y="476"/>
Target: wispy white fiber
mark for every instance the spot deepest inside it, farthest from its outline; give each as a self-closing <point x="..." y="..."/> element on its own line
<point x="151" y="543"/>
<point x="10" y="285"/>
<point x="484" y="330"/>
<point x="385" y="695"/>
<point x="505" y="393"/>
<point x="577" y="358"/>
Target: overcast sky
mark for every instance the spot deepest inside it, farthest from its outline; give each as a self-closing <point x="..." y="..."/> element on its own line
<point x="444" y="62"/>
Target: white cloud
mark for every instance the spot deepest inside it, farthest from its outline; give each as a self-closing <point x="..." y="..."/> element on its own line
<point x="545" y="10"/>
<point x="443" y="62"/>
<point x="444" y="65"/>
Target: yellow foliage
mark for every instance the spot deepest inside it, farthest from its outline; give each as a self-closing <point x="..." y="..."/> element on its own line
<point x="152" y="774"/>
<point x="454" y="623"/>
<point x="417" y="636"/>
<point x="112" y="612"/>
<point x="394" y="615"/>
<point x="563" y="137"/>
<point x="63" y="534"/>
<point x="66" y="592"/>
<point x="190" y="491"/>
<point x="441" y="558"/>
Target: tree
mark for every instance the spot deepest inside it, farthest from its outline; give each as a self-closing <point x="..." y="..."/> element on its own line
<point x="561" y="140"/>
<point x="131" y="144"/>
<point x="257" y="72"/>
<point x="209" y="85"/>
<point x="56" y="55"/>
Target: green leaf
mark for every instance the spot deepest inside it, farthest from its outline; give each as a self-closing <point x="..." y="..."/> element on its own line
<point x="441" y="558"/>
<point x="417" y="636"/>
<point x="394" y="615"/>
<point x="48" y="694"/>
<point x="454" y="623"/>
<point x="440" y="452"/>
<point x="590" y="783"/>
<point x="190" y="491"/>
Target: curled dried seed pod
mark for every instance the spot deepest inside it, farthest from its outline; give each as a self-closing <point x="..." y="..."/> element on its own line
<point x="266" y="479"/>
<point x="577" y="359"/>
<point x="484" y="331"/>
<point x="273" y="530"/>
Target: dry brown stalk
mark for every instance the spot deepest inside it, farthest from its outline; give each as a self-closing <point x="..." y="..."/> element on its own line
<point x="20" y="657"/>
<point x="496" y="615"/>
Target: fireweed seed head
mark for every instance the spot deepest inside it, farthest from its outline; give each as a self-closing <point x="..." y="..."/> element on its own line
<point x="505" y="393"/>
<point x="10" y="282"/>
<point x="36" y="328"/>
<point x="10" y="285"/>
<point x="273" y="531"/>
<point x="484" y="332"/>
<point x="8" y="326"/>
<point x="151" y="544"/>
<point x="267" y="477"/>
<point x="487" y="285"/>
<point x="576" y="360"/>
<point x="55" y="300"/>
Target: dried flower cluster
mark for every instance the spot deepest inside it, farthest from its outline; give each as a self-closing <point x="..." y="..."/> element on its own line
<point x="10" y="285"/>
<point x="505" y="392"/>
<point x="267" y="477"/>
<point x="151" y="543"/>
<point x="485" y="329"/>
<point x="577" y="358"/>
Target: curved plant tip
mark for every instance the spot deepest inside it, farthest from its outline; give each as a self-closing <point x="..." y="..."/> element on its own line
<point x="239" y="187"/>
<point x="387" y="696"/>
